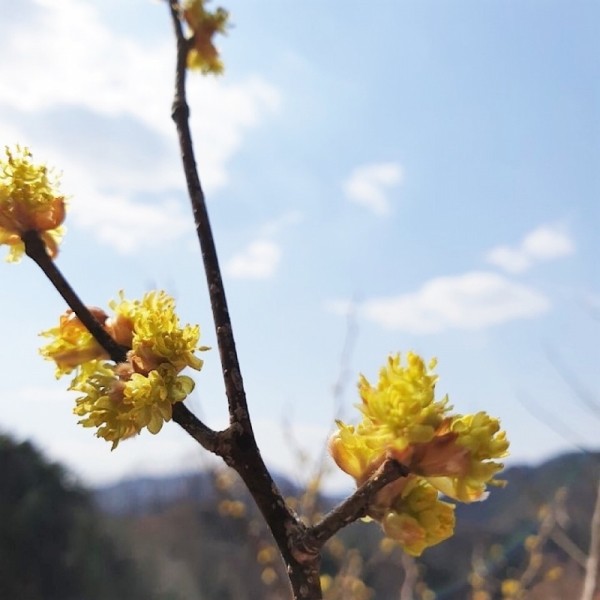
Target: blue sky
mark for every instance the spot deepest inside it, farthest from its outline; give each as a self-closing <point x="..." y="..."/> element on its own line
<point x="429" y="168"/>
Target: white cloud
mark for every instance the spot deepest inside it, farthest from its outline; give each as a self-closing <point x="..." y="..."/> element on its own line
<point x="474" y="300"/>
<point x="221" y="114"/>
<point x="508" y="259"/>
<point x="87" y="68"/>
<point x="114" y="218"/>
<point x="368" y="185"/>
<point x="259" y="260"/>
<point x="547" y="242"/>
<point x="86" y="64"/>
<point x="83" y="64"/>
<point x="129" y="226"/>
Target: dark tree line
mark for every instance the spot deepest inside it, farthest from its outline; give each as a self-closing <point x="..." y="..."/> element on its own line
<point x="52" y="542"/>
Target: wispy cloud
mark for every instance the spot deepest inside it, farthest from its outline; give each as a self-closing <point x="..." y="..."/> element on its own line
<point x="120" y="88"/>
<point x="130" y="226"/>
<point x="261" y="257"/>
<point x="113" y="74"/>
<point x="368" y="185"/>
<point x="259" y="260"/>
<point x="546" y="242"/>
<point x="474" y="300"/>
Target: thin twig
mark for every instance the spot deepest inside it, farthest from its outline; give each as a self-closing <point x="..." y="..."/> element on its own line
<point x="593" y="559"/>
<point x="355" y="507"/>
<point x="36" y="250"/>
<point x="204" y="435"/>
<point x="234" y="387"/>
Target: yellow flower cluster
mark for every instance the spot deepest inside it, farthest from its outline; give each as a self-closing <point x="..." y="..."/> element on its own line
<point x="417" y="518"/>
<point x="29" y="201"/>
<point x="204" y="24"/>
<point x="448" y="454"/>
<point x="121" y="399"/>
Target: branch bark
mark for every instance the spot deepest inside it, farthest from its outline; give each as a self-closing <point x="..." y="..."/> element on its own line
<point x="36" y="250"/>
<point x="237" y="444"/>
<point x="353" y="508"/>
<point x="234" y="386"/>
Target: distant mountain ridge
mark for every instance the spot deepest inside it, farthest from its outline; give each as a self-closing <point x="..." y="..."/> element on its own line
<point x="140" y="495"/>
<point x="527" y="486"/>
<point x="179" y="518"/>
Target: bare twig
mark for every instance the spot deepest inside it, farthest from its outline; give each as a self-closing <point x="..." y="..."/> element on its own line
<point x="234" y="387"/>
<point x="565" y="543"/>
<point x="593" y="559"/>
<point x="204" y="435"/>
<point x="36" y="250"/>
<point x="353" y="508"/>
<point x="309" y="500"/>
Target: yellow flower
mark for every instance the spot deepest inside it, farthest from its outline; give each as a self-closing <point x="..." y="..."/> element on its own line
<point x="511" y="588"/>
<point x="120" y="400"/>
<point x="102" y="404"/>
<point x="354" y="451"/>
<point x="554" y="573"/>
<point x="29" y="201"/>
<point x="204" y="24"/>
<point x="418" y="519"/>
<point x="151" y="328"/>
<point x="121" y="403"/>
<point x="477" y="439"/>
<point x="326" y="583"/>
<point x="449" y="454"/>
<point x="398" y="413"/>
<point x="402" y="408"/>
<point x="73" y="344"/>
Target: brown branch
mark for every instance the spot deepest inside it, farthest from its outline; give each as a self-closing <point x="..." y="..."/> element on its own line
<point x="353" y="508"/>
<point x="237" y="444"/>
<point x="234" y="387"/>
<point x="303" y="571"/>
<point x="204" y="435"/>
<point x="36" y="250"/>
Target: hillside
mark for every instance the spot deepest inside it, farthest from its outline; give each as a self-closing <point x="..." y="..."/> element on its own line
<point x="54" y="544"/>
<point x="181" y="520"/>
